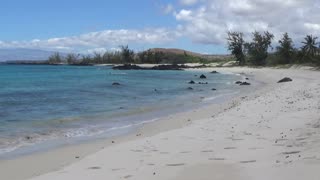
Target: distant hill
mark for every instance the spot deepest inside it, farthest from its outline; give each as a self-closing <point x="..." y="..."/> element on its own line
<point x="23" y="54"/>
<point x="182" y="52"/>
<point x="175" y="51"/>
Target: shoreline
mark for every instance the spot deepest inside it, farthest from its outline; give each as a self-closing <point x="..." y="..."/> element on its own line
<point x="158" y="111"/>
<point x="60" y="159"/>
<point x="69" y="153"/>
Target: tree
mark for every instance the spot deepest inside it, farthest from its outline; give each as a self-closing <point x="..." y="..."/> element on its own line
<point x="285" y="50"/>
<point x="72" y="58"/>
<point x="97" y="58"/>
<point x="310" y="46"/>
<point x="158" y="57"/>
<point x="142" y="56"/>
<point x="55" y="58"/>
<point x="236" y="46"/>
<point x="258" y="48"/>
<point x="127" y="55"/>
<point x="86" y="59"/>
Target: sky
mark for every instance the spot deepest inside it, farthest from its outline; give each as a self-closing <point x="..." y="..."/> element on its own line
<point x="196" y="25"/>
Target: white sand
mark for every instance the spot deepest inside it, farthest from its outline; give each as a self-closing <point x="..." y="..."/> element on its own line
<point x="271" y="133"/>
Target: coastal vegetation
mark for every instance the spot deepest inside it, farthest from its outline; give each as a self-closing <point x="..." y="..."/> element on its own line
<point x="260" y="52"/>
<point x="127" y="56"/>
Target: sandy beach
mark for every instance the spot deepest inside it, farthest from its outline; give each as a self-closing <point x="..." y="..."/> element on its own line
<point x="271" y="132"/>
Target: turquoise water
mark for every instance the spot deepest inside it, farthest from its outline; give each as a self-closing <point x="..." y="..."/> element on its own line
<point x="40" y="103"/>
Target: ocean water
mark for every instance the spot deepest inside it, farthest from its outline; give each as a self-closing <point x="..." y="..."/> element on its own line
<point x="40" y="104"/>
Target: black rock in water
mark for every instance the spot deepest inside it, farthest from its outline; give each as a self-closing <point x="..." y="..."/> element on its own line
<point x="115" y="84"/>
<point x="245" y="84"/>
<point x="191" y="82"/>
<point x="286" y="79"/>
<point x="214" y="72"/>
<point x="203" y="77"/>
<point x="128" y="67"/>
<point x="213" y="89"/>
<point x="169" y="67"/>
<point x="238" y="82"/>
<point x="190" y="88"/>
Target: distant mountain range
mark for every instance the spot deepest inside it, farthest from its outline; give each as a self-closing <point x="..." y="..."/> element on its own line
<point x="23" y="54"/>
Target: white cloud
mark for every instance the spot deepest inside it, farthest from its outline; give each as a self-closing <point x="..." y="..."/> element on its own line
<point x="188" y="2"/>
<point x="99" y="39"/>
<point x="209" y="21"/>
<point x="312" y="26"/>
<point x="96" y="50"/>
<point x="184" y="15"/>
<point x="168" y="9"/>
<point x="202" y="21"/>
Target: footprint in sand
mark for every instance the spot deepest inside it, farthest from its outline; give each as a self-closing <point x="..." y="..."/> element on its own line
<point x="291" y="152"/>
<point x="178" y="164"/>
<point x="245" y="162"/>
<point x="117" y="169"/>
<point x="228" y="148"/>
<point x="256" y="148"/>
<point x="279" y="145"/>
<point x="207" y="151"/>
<point x="185" y="152"/>
<point x="127" y="177"/>
<point x="217" y="159"/>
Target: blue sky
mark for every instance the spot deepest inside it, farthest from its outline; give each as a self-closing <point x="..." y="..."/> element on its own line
<point x="26" y="20"/>
<point x="197" y="25"/>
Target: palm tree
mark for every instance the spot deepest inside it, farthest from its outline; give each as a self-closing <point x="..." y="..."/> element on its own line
<point x="310" y="46"/>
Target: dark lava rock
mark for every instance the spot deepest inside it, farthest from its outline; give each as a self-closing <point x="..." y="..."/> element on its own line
<point x="286" y="79"/>
<point x="238" y="82"/>
<point x="128" y="67"/>
<point x="191" y="82"/>
<point x="213" y="89"/>
<point x="245" y="84"/>
<point x="203" y="77"/>
<point x="115" y="84"/>
<point x="214" y="72"/>
<point x="159" y="67"/>
<point x="247" y="78"/>
<point x="169" y="67"/>
<point x="190" y="88"/>
<point x="203" y="83"/>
